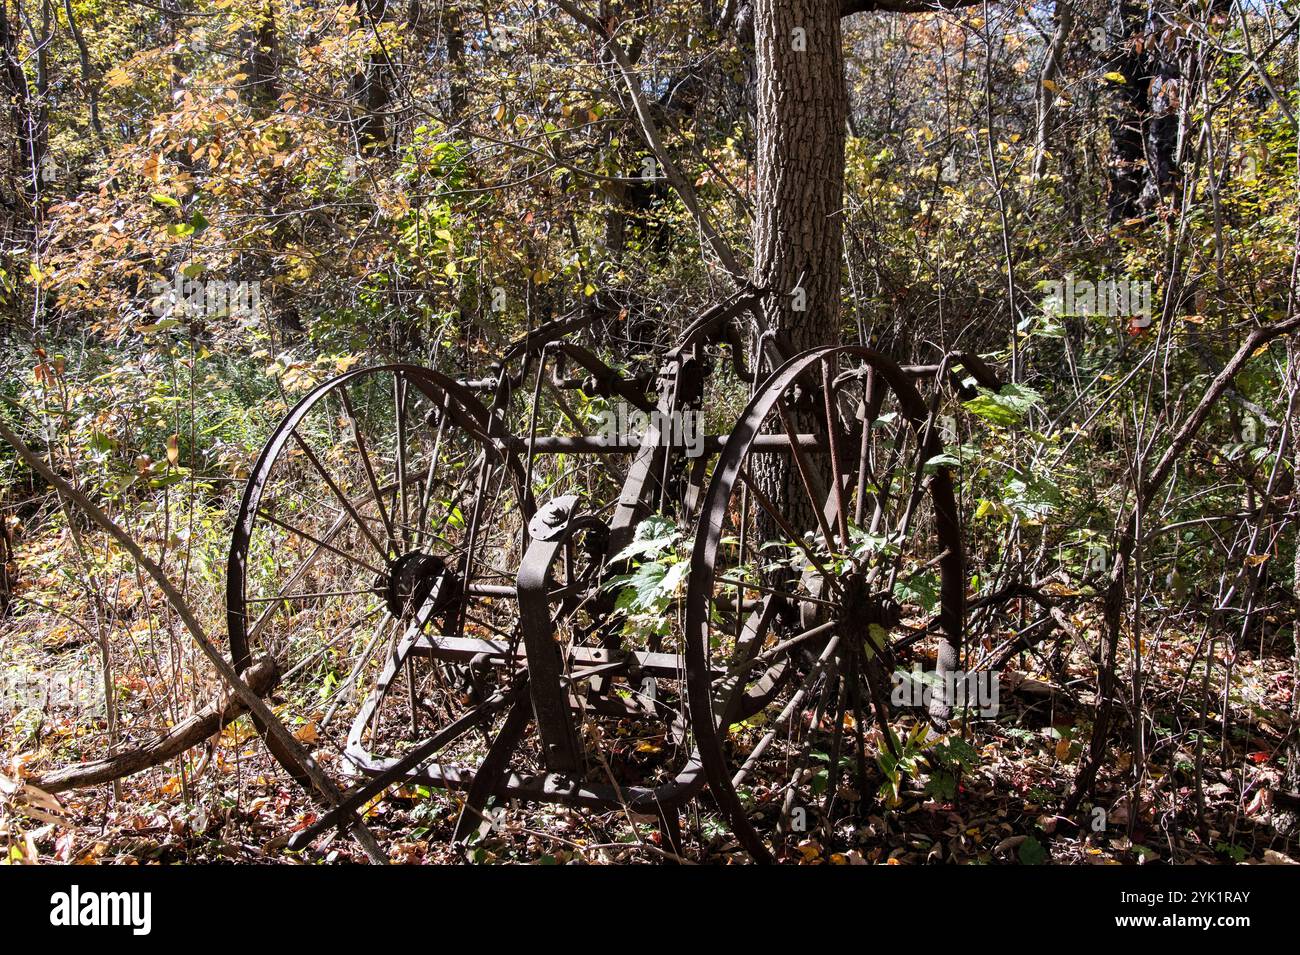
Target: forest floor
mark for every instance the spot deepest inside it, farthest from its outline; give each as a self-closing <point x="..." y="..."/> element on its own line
<point x="226" y="801"/>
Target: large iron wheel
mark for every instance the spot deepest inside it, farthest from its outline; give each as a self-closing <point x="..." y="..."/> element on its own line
<point x="829" y="534"/>
<point x="385" y="494"/>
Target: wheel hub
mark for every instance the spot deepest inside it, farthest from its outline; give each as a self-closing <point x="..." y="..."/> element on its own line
<point x="864" y="604"/>
<point x="410" y="581"/>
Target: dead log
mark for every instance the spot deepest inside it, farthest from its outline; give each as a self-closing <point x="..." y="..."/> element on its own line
<point x="262" y="676"/>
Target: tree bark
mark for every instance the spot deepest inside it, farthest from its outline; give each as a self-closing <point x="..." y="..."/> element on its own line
<point x="262" y="88"/>
<point x="370" y="85"/>
<point x="1141" y="166"/>
<point x="1046" y="95"/>
<point x="798" y="228"/>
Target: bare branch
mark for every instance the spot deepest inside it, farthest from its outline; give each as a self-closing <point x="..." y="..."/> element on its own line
<point x="650" y="132"/>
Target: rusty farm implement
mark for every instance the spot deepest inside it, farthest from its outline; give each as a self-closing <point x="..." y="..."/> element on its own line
<point x="457" y="597"/>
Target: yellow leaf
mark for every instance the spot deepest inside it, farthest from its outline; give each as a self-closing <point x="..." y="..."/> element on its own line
<point x="173" y="450"/>
<point x="1051" y="86"/>
<point x="1254" y="560"/>
<point x="810" y="850"/>
<point x="1114" y="77"/>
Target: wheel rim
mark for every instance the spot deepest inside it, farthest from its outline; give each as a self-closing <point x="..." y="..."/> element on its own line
<point x="381" y="488"/>
<point x="865" y="535"/>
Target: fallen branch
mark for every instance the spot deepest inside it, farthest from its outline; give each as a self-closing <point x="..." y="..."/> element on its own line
<point x="262" y="676"/>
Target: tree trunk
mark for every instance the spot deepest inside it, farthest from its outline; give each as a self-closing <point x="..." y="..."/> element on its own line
<point x="262" y="88"/>
<point x="802" y="105"/>
<point x="1141" y="167"/>
<point x="370" y="86"/>
<point x="1125" y="166"/>
<point x="798" y="230"/>
<point x="1046" y="94"/>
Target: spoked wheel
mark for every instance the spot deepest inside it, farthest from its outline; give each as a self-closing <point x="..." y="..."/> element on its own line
<point x="382" y="507"/>
<point x="829" y="534"/>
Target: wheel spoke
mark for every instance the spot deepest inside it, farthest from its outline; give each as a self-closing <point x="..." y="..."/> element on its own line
<point x="806" y="477"/>
<point x="312" y="596"/>
<point x="399" y="412"/>
<point x="833" y="438"/>
<point x="793" y="598"/>
<point x="317" y="541"/>
<point x="433" y="463"/>
<point x="795" y="702"/>
<point x="365" y="461"/>
<point x="297" y="574"/>
<point x="776" y="515"/>
<point x="338" y="493"/>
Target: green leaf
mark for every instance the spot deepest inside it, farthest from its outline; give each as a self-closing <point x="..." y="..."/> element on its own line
<point x="944" y="460"/>
<point x="1004" y="407"/>
<point x="1030" y="496"/>
<point x="921" y="589"/>
<point x="1032" y="852"/>
<point x="653" y="537"/>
